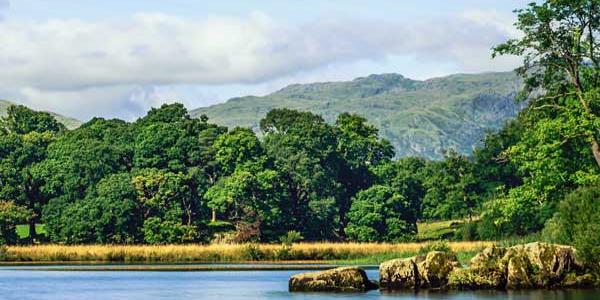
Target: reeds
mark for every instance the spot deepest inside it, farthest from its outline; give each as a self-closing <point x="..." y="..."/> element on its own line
<point x="221" y="252"/>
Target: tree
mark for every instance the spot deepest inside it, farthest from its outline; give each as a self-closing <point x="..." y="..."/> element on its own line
<point x="303" y="149"/>
<point x="236" y="148"/>
<point x="561" y="66"/>
<point x="22" y="120"/>
<point x="25" y="137"/>
<point x="360" y="149"/>
<point x="557" y="150"/>
<point x="495" y="170"/>
<point x="252" y="195"/>
<point x="12" y="215"/>
<point x="406" y="176"/>
<point x="577" y="222"/>
<point x="108" y="214"/>
<point x="453" y="189"/>
<point x="166" y="205"/>
<point x="378" y="214"/>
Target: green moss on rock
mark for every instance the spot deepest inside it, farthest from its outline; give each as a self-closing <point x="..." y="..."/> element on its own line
<point x="477" y="278"/>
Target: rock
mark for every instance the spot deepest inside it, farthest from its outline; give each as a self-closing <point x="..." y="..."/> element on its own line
<point x="534" y="265"/>
<point x="436" y="267"/>
<point x="344" y="279"/>
<point x="572" y="280"/>
<point x="488" y="258"/>
<point x="537" y="265"/>
<point x="400" y="273"/>
<point x="429" y="271"/>
<point x="476" y="278"/>
<point x="518" y="270"/>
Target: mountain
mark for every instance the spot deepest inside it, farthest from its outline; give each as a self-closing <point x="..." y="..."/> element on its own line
<point x="68" y="122"/>
<point x="419" y="117"/>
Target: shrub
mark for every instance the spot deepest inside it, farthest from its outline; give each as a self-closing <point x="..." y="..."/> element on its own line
<point x="157" y="231"/>
<point x="577" y="223"/>
<point x="442" y="246"/>
<point x="517" y="214"/>
<point x="252" y="252"/>
<point x="291" y="237"/>
<point x="3" y="253"/>
<point x="287" y="241"/>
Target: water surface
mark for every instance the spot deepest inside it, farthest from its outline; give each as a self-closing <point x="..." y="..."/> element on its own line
<point x="26" y="284"/>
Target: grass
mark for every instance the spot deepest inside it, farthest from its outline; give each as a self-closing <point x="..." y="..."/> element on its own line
<point x="437" y="230"/>
<point x="362" y="253"/>
<point x="23" y="230"/>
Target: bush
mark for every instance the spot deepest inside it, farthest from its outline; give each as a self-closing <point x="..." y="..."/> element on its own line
<point x="442" y="246"/>
<point x="517" y="214"/>
<point x="3" y="253"/>
<point x="287" y="241"/>
<point x="157" y="231"/>
<point x="252" y="252"/>
<point x="290" y="237"/>
<point x="577" y="223"/>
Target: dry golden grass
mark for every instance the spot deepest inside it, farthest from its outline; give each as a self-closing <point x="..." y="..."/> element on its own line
<point x="219" y="253"/>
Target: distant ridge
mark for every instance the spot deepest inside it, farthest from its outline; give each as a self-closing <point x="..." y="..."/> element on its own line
<point x="420" y="117"/>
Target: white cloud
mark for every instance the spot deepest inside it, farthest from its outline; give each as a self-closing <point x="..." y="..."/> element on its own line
<point x="86" y="68"/>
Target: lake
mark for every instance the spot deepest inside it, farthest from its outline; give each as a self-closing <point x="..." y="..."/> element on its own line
<point x="23" y="283"/>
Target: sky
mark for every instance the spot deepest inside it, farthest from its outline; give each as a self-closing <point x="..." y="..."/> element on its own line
<point x="115" y="58"/>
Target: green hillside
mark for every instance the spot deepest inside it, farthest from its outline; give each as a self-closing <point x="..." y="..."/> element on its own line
<point x="68" y="122"/>
<point x="420" y="118"/>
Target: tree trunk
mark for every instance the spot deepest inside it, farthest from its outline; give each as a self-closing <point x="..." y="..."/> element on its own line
<point x="596" y="151"/>
<point x="214" y="216"/>
<point x="32" y="233"/>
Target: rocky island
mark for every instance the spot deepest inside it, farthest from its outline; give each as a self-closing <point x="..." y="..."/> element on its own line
<point x="529" y="266"/>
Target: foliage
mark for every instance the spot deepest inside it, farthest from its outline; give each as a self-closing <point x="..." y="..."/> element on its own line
<point x="557" y="149"/>
<point x="380" y="214"/>
<point x="577" y="222"/>
<point x="11" y="215"/>
<point x="441" y="246"/>
<point x="157" y="231"/>
<point x="290" y="237"/>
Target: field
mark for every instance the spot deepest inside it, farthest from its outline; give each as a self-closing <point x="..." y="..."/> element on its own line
<point x="366" y="253"/>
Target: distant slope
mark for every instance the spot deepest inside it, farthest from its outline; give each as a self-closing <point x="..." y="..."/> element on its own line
<point x="420" y="118"/>
<point x="68" y="122"/>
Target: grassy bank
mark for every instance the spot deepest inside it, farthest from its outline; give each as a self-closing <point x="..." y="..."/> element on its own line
<point x="364" y="253"/>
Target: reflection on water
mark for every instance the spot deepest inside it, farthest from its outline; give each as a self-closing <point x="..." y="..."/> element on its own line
<point x="223" y="285"/>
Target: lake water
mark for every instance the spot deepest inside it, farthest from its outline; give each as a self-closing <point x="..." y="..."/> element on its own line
<point x="27" y="284"/>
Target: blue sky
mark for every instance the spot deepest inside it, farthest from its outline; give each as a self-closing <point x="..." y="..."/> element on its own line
<point x="118" y="58"/>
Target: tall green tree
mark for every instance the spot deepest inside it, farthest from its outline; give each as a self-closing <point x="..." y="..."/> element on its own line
<point x="561" y="67"/>
<point x="24" y="139"/>
<point x="361" y="149"/>
<point x="558" y="149"/>
<point x="303" y="148"/>
<point x="380" y="213"/>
